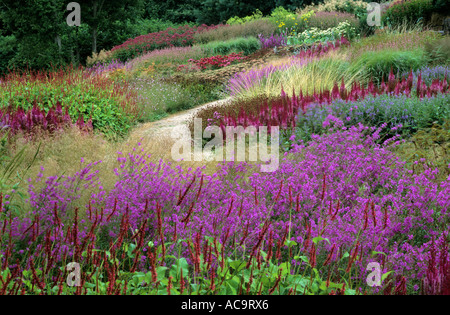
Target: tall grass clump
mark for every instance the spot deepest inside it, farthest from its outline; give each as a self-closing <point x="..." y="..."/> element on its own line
<point x="378" y="64"/>
<point x="438" y="52"/>
<point x="246" y="45"/>
<point x="307" y="75"/>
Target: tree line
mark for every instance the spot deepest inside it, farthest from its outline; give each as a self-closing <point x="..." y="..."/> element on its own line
<point x="35" y="34"/>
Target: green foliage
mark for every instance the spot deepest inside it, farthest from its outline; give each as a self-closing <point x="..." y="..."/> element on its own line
<point x="377" y="64"/>
<point x="237" y="20"/>
<point x="325" y="20"/>
<point x="438" y="52"/>
<point x="8" y="47"/>
<point x="430" y="144"/>
<point x="412" y="11"/>
<point x="104" y="101"/>
<point x="246" y="45"/>
<point x="314" y="35"/>
<point x="12" y="175"/>
<point x="146" y="26"/>
<point x="157" y="99"/>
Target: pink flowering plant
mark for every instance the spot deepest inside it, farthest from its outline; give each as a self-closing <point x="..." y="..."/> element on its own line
<point x="214" y="62"/>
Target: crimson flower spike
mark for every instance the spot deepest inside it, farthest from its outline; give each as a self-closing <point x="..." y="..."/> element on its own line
<point x="374" y="214"/>
<point x="231" y="207"/>
<point x="366" y="215"/>
<point x="279" y="191"/>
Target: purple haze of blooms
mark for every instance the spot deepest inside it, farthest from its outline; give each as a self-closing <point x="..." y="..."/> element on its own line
<point x="272" y="41"/>
<point x="429" y="74"/>
<point x="98" y="69"/>
<point x="343" y="185"/>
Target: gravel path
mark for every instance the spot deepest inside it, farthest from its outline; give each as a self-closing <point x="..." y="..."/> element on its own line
<point x="176" y="123"/>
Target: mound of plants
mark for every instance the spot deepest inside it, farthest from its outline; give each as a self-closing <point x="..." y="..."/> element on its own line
<point x="245" y="45"/>
<point x="214" y="62"/>
<point x="284" y="111"/>
<point x="348" y="6"/>
<point x="311" y="227"/>
<point x="409" y="11"/>
<point x="159" y="98"/>
<point x="404" y="115"/>
<point x="182" y="36"/>
<point x="250" y="29"/>
<point x="110" y="105"/>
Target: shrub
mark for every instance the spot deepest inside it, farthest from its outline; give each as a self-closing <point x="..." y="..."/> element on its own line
<point x="438" y="52"/>
<point x="378" y="64"/>
<point x="410" y="11"/>
<point x="245" y="45"/>
<point x="288" y="22"/>
<point x="251" y="29"/>
<point x="102" y="57"/>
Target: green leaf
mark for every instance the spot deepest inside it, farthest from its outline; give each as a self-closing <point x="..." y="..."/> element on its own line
<point x="303" y="258"/>
<point x="290" y="243"/>
<point x="319" y="238"/>
<point x="384" y="276"/>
